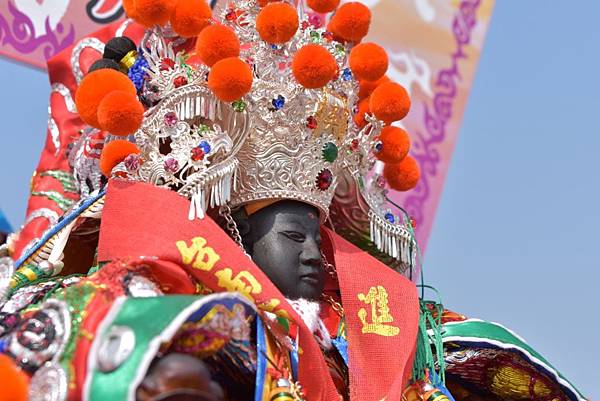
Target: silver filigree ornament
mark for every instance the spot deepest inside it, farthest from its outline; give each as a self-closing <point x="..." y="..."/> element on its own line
<point x="85" y="43"/>
<point x="141" y="287"/>
<point x="7" y="269"/>
<point x="115" y="348"/>
<point x="49" y="383"/>
<point x="190" y="129"/>
<point x="43" y="336"/>
<point x="84" y="159"/>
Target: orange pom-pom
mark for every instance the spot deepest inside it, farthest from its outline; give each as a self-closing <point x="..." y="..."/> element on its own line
<point x="402" y="176"/>
<point x="277" y="22"/>
<point x="313" y="66"/>
<point x="390" y="102"/>
<point x="368" y="61"/>
<point x="351" y="21"/>
<point x="331" y="28"/>
<point x="114" y="153"/>
<point x="13" y="381"/>
<point x="217" y="42"/>
<point x="129" y="7"/>
<point x="323" y="6"/>
<point x="395" y="144"/>
<point x="152" y="12"/>
<point x="230" y="79"/>
<point x="362" y="109"/>
<point x="190" y="17"/>
<point x="94" y="87"/>
<point x="365" y="88"/>
<point x="120" y="113"/>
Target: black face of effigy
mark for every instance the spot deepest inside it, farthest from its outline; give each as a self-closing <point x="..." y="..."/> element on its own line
<point x="284" y="240"/>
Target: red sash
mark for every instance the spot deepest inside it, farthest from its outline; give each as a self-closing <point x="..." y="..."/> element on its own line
<point x="140" y="220"/>
<point x="381" y="308"/>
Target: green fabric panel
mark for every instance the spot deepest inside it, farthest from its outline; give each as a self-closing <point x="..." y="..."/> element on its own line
<point x="486" y="331"/>
<point x="148" y="318"/>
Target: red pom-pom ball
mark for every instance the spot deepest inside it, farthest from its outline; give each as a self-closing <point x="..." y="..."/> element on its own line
<point x="14" y="381"/>
<point x="151" y="12"/>
<point x="92" y="89"/>
<point x="351" y="21"/>
<point x="114" y="153"/>
<point x="402" y="176"/>
<point x="120" y="113"/>
<point x="217" y="42"/>
<point x="390" y="102"/>
<point x="368" y="61"/>
<point x="313" y="66"/>
<point x="277" y="22"/>
<point x="395" y="144"/>
<point x="230" y="79"/>
<point x="323" y="6"/>
<point x="190" y="17"/>
<point x="365" y="88"/>
<point x="362" y="109"/>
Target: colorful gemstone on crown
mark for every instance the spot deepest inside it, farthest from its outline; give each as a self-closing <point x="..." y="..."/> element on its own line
<point x="170" y="119"/>
<point x="279" y="102"/>
<point x="315" y="20"/>
<point x="231" y="15"/>
<point x="167" y="64"/>
<point x="239" y="106"/>
<point x="171" y="165"/>
<point x="132" y="163"/>
<point x="205" y="146"/>
<point x="324" y="179"/>
<point x="330" y="152"/>
<point x="180" y="81"/>
<point x="197" y="154"/>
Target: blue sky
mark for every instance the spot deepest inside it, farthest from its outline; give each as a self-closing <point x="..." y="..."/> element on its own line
<point x="515" y="237"/>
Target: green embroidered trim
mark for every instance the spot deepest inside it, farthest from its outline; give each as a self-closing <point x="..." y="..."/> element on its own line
<point x="61" y="201"/>
<point x="78" y="298"/>
<point x="66" y="180"/>
<point x="20" y="279"/>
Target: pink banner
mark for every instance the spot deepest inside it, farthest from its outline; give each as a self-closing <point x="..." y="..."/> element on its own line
<point x="434" y="47"/>
<point x="32" y="31"/>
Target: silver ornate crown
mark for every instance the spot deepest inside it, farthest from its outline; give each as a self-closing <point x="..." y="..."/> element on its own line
<point x="280" y="141"/>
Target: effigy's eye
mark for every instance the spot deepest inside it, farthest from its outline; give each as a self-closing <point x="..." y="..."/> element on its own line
<point x="294" y="236"/>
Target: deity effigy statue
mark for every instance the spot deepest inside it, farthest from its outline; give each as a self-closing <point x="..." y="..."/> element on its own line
<point x="210" y="221"/>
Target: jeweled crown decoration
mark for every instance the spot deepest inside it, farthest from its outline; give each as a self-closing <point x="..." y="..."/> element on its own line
<point x="258" y="103"/>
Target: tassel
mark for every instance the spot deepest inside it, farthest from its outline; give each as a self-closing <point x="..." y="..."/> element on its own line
<point x="430" y="347"/>
<point x="423" y="355"/>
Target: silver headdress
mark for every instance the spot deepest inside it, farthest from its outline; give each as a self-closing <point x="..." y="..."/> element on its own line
<point x="278" y="141"/>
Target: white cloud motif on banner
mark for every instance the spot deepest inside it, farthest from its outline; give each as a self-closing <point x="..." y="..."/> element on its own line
<point x="40" y="11"/>
<point x="408" y="69"/>
<point x="426" y="10"/>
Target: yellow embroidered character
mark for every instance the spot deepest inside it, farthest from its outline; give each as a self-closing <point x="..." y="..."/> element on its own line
<point x="244" y="282"/>
<point x="377" y="297"/>
<point x="202" y="256"/>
